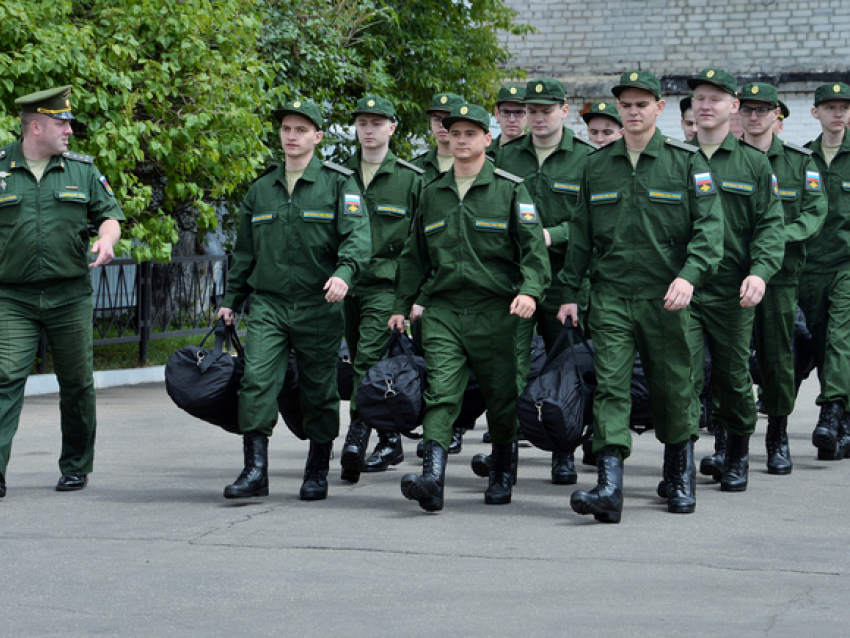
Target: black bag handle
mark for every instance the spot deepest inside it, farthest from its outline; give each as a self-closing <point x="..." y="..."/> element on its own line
<point x="566" y="333"/>
<point x="400" y="338"/>
<point x="221" y="330"/>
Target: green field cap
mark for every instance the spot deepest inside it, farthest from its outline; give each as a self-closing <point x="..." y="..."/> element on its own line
<point x="760" y="92"/>
<point x="468" y="113"/>
<point x="374" y="104"/>
<point x="605" y="109"/>
<point x="834" y="91"/>
<point x="544" y="91"/>
<point x="643" y="80"/>
<point x="304" y="108"/>
<point x="511" y="93"/>
<point x="718" y="78"/>
<point x="444" y="102"/>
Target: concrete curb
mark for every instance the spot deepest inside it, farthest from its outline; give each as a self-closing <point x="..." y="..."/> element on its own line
<point x="47" y="383"/>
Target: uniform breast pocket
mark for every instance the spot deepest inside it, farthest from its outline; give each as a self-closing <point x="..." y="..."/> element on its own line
<point x="10" y="210"/>
<point x="569" y="186"/>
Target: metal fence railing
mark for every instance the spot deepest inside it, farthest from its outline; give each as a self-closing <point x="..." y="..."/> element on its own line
<point x="140" y="302"/>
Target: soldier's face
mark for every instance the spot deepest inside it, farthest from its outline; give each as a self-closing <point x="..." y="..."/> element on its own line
<point x="437" y="129"/>
<point x="545" y="120"/>
<point x="833" y="115"/>
<point x="603" y="130"/>
<point x="639" y="110"/>
<point x="756" y="123"/>
<point x="298" y="136"/>
<point x="52" y="134"/>
<point x="374" y="131"/>
<point x="512" y="118"/>
<point x="689" y="125"/>
<point x="712" y="106"/>
<point x="468" y="141"/>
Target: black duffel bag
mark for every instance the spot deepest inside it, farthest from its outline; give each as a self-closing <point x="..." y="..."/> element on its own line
<point x="289" y="400"/>
<point x="555" y="409"/>
<point x="205" y="383"/>
<point x="391" y="396"/>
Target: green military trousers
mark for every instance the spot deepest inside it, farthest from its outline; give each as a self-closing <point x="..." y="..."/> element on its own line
<point x="454" y="342"/>
<point x="825" y="300"/>
<point x="773" y="335"/>
<point x="545" y="319"/>
<point x="314" y="332"/>
<point x="716" y="315"/>
<point x="621" y="328"/>
<point x="64" y="311"/>
<point x="366" y="332"/>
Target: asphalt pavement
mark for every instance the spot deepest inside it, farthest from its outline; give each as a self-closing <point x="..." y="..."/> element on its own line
<point x="150" y="547"/>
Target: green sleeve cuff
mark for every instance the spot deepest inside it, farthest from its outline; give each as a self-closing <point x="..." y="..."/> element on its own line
<point x="559" y="234"/>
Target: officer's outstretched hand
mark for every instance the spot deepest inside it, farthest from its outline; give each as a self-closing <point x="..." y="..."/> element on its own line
<point x="396" y="322"/>
<point x="679" y="294"/>
<point x="336" y="289"/>
<point x="105" y="252"/>
<point x="226" y="314"/>
<point x="568" y="311"/>
<point x="524" y="306"/>
<point x="752" y="291"/>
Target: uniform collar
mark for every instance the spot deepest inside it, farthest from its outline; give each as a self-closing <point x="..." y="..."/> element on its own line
<point x="653" y="147"/>
<point x="566" y="144"/>
<point x="16" y="159"/>
<point x="310" y="173"/>
<point x="776" y="147"/>
<point x="817" y="145"/>
<point x="485" y="176"/>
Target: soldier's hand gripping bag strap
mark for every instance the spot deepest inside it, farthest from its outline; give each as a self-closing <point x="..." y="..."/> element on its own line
<point x="204" y="382"/>
<point x="391" y="395"/>
<point x="555" y="409"/>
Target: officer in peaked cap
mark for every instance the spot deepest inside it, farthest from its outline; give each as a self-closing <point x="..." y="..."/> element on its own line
<point x="45" y="281"/>
<point x="550" y="159"/>
<point x="804" y="205"/>
<point x="825" y="282"/>
<point x="723" y="310"/>
<point x="390" y="188"/>
<point x="438" y="159"/>
<point x="511" y="115"/>
<point x="603" y="123"/>
<point x="302" y="243"/>
<point x="477" y="244"/>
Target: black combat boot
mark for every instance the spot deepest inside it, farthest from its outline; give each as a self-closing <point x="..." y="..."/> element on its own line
<point x="776" y="443"/>
<point x="420" y="449"/>
<point x="354" y="451"/>
<point x="825" y="436"/>
<point x="564" y="468"/>
<point x="387" y="452"/>
<point x="588" y="457"/>
<point x="499" y="490"/>
<point x="315" y="485"/>
<point x="605" y="501"/>
<point x="482" y="463"/>
<point x="843" y="449"/>
<point x="457" y="441"/>
<point x="713" y="465"/>
<point x="428" y="488"/>
<point x="2" y="486"/>
<point x="680" y="477"/>
<point x="254" y="480"/>
<point x="736" y="470"/>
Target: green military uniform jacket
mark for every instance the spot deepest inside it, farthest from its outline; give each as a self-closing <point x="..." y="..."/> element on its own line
<point x="289" y="244"/>
<point x="754" y="239"/>
<point x="476" y="254"/>
<point x="803" y="202"/>
<point x="428" y="163"/>
<point x="554" y="187"/>
<point x="494" y="151"/>
<point x="638" y="229"/>
<point x="391" y="198"/>
<point x="44" y="226"/>
<point x="830" y="251"/>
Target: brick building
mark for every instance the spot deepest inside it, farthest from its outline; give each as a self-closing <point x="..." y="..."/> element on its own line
<point x="794" y="45"/>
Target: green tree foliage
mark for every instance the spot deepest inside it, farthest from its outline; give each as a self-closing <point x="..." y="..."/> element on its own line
<point x="169" y="91"/>
<point x="176" y="94"/>
<point x="334" y="51"/>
